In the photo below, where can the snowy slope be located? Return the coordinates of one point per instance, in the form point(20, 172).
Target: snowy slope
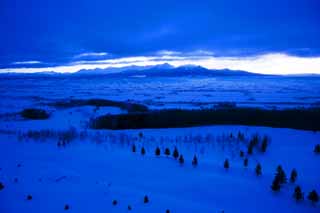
point(88, 174)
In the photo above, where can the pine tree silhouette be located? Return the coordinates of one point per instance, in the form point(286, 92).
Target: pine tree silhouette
point(181, 159)
point(195, 160)
point(241, 154)
point(133, 148)
point(1, 186)
point(143, 151)
point(264, 144)
point(258, 169)
point(114, 202)
point(250, 150)
point(317, 149)
point(226, 164)
point(157, 152)
point(276, 184)
point(146, 199)
point(281, 175)
point(175, 153)
point(313, 196)
point(66, 207)
point(293, 176)
point(167, 151)
point(245, 162)
point(298, 195)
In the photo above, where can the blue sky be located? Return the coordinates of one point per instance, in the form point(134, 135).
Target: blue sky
point(39, 33)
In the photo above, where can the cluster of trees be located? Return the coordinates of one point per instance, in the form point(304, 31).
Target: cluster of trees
point(258, 143)
point(175, 154)
point(258, 168)
point(145, 201)
point(281, 178)
point(307, 119)
point(34, 114)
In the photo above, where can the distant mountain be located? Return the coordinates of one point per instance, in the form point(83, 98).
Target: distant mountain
point(163, 70)
point(111, 70)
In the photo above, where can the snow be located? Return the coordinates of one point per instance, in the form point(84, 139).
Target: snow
point(87, 175)
point(184, 92)
point(97, 167)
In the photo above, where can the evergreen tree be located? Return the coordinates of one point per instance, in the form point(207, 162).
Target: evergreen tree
point(66, 207)
point(157, 152)
point(146, 199)
point(258, 169)
point(114, 202)
point(167, 151)
point(1, 186)
point(250, 149)
point(313, 196)
point(140, 135)
point(276, 184)
point(226, 164)
point(29, 197)
point(281, 175)
point(181, 159)
point(143, 151)
point(167, 211)
point(245, 162)
point(240, 136)
point(133, 148)
point(317, 149)
point(195, 160)
point(264, 144)
point(298, 195)
point(241, 154)
point(293, 176)
point(129, 208)
point(175, 153)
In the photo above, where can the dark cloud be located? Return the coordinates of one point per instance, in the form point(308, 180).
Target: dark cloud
point(54, 31)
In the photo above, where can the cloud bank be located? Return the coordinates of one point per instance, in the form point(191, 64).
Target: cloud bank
point(272, 63)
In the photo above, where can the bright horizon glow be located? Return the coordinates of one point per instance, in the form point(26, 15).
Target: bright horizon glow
point(273, 63)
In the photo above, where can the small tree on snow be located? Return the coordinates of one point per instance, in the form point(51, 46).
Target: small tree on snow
point(245, 162)
point(293, 176)
point(313, 196)
point(167, 151)
point(250, 149)
point(143, 151)
point(258, 169)
point(157, 151)
point(146, 199)
point(175, 153)
point(194, 161)
point(133, 148)
point(226, 164)
point(264, 143)
point(298, 195)
point(241, 154)
point(317, 149)
point(181, 159)
point(281, 175)
point(1, 186)
point(275, 186)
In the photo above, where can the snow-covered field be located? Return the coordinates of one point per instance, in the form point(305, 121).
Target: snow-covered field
point(88, 174)
point(183, 92)
point(93, 168)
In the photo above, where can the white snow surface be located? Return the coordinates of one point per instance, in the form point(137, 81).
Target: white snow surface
point(88, 174)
